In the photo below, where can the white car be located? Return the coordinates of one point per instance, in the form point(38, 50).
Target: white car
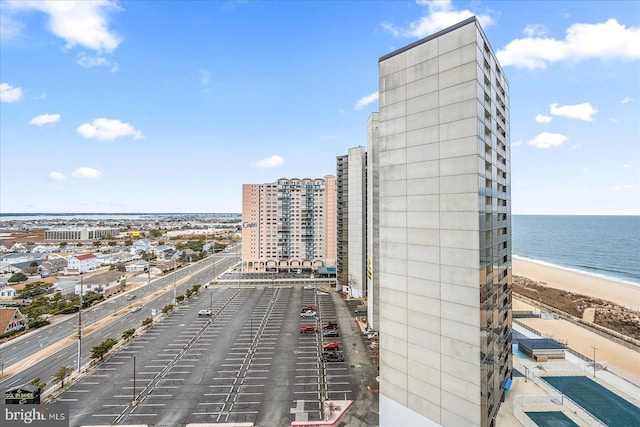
point(136, 308)
point(204, 313)
point(307, 287)
point(308, 314)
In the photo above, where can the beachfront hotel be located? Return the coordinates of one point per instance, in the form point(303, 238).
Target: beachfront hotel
point(440, 244)
point(351, 199)
point(289, 225)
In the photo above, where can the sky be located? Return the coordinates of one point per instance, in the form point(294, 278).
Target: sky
point(170, 106)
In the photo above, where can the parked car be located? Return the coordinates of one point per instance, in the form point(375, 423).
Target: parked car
point(332, 356)
point(309, 287)
point(331, 333)
point(309, 308)
point(373, 334)
point(366, 332)
point(308, 329)
point(329, 325)
point(308, 313)
point(332, 345)
point(206, 312)
point(130, 297)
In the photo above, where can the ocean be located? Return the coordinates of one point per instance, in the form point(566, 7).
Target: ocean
point(605, 246)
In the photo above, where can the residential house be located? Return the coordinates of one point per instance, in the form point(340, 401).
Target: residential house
point(18, 247)
point(41, 249)
point(107, 283)
point(17, 258)
point(138, 266)
point(78, 264)
point(7, 292)
point(11, 320)
point(52, 266)
point(141, 245)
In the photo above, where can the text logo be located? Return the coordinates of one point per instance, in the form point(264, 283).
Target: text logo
point(53, 415)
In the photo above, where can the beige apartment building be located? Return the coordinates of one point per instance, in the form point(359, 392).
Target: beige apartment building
point(441, 231)
point(289, 225)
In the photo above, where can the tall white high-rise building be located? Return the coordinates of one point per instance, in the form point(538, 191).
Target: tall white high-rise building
point(443, 229)
point(351, 197)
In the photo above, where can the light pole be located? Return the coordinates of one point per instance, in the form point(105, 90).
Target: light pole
point(133, 401)
point(80, 325)
point(174, 282)
point(594, 360)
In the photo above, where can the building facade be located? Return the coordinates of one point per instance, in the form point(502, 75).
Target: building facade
point(351, 194)
point(80, 233)
point(78, 264)
point(289, 225)
point(444, 230)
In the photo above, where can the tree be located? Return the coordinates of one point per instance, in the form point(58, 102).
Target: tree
point(38, 383)
point(147, 322)
point(180, 298)
point(103, 348)
point(112, 243)
point(62, 374)
point(167, 308)
point(17, 278)
point(97, 243)
point(128, 242)
point(33, 264)
point(63, 244)
point(128, 334)
point(33, 289)
point(155, 233)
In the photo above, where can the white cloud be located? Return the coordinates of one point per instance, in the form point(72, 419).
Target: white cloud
point(626, 100)
point(366, 100)
point(107, 129)
point(82, 23)
point(547, 140)
point(583, 111)
point(516, 144)
point(9, 93)
point(56, 176)
point(87, 61)
point(441, 15)
point(87, 173)
point(533, 30)
point(270, 162)
point(543, 119)
point(607, 40)
point(45, 119)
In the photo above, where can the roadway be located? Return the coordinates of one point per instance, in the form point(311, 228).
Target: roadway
point(42, 352)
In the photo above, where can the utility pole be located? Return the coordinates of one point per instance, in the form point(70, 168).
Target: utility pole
point(174, 282)
point(594, 360)
point(80, 324)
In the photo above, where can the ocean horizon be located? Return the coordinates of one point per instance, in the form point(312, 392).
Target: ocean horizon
point(604, 246)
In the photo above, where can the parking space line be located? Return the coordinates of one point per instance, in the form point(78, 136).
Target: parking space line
point(68, 400)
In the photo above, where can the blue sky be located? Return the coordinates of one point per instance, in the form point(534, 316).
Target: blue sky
point(143, 106)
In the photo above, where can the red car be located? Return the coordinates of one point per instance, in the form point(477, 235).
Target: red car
point(329, 325)
point(308, 329)
point(309, 308)
point(333, 345)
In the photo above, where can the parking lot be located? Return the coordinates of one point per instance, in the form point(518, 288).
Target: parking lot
point(247, 362)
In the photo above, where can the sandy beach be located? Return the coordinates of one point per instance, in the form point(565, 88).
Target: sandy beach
point(617, 292)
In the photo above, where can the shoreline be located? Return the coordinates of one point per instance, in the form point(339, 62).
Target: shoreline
point(621, 293)
point(577, 270)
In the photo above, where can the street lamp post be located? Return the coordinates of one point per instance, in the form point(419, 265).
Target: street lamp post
point(133, 401)
point(174, 282)
point(594, 360)
point(80, 325)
